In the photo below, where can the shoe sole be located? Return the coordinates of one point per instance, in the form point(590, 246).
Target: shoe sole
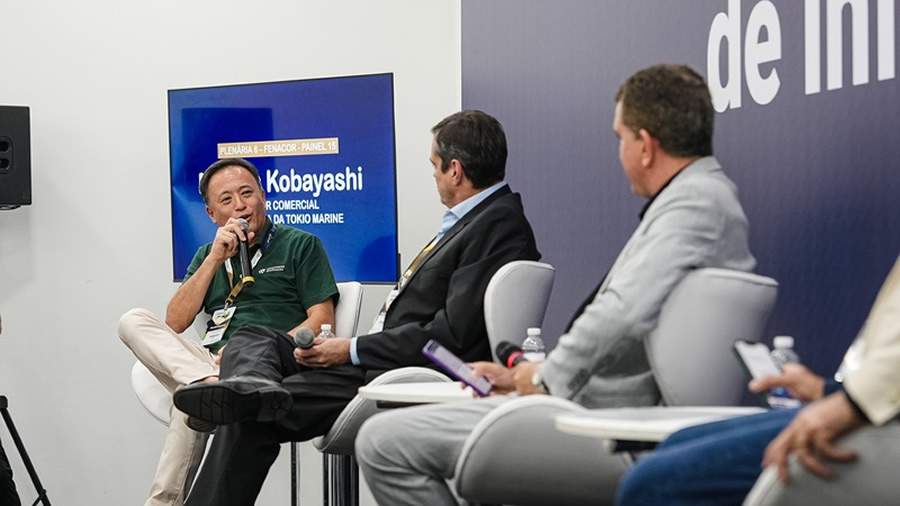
point(198, 425)
point(222, 405)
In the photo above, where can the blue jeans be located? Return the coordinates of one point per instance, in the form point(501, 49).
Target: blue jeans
point(714, 464)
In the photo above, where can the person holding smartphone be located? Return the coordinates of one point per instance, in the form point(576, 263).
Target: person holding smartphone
point(718, 463)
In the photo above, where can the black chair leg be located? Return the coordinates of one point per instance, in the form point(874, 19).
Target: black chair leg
point(354, 482)
point(295, 475)
point(345, 482)
point(341, 500)
point(334, 483)
point(325, 481)
point(340, 480)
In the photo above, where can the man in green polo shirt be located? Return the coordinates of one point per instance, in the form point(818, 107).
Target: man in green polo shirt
point(294, 287)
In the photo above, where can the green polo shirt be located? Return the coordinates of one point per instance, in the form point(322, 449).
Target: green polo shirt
point(292, 275)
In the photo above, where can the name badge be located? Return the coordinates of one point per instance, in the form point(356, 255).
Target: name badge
point(223, 315)
point(217, 326)
point(378, 324)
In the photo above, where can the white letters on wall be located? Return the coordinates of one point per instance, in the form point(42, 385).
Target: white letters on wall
point(727, 28)
point(859, 12)
point(764, 15)
point(758, 50)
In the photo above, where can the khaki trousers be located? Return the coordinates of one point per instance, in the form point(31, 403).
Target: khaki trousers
point(174, 361)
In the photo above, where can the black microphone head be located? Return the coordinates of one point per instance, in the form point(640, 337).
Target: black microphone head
point(304, 338)
point(245, 225)
point(505, 349)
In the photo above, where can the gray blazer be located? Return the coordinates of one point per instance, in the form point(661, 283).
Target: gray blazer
point(696, 221)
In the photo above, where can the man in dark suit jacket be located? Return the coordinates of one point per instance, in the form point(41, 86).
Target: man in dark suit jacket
point(271, 392)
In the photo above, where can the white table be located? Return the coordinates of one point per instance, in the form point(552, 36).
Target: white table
point(406, 394)
point(650, 424)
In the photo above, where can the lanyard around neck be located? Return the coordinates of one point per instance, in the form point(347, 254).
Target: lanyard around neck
point(237, 287)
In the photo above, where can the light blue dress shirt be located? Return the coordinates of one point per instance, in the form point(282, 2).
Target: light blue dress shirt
point(451, 217)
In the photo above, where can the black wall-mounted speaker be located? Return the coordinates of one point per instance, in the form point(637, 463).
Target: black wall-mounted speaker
point(15, 156)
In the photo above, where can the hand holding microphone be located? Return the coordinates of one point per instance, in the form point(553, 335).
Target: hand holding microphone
point(303, 338)
point(227, 241)
point(313, 351)
point(513, 356)
point(243, 251)
point(509, 354)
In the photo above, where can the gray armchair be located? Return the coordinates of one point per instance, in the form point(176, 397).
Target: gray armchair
point(871, 480)
point(516, 299)
point(516, 456)
point(341, 475)
point(508, 313)
point(690, 351)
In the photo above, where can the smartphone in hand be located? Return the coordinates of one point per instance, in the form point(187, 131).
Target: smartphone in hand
point(756, 359)
point(455, 367)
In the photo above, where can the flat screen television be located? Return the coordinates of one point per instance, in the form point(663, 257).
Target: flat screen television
point(326, 156)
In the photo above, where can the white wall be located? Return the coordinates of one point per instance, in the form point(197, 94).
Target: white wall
point(97, 240)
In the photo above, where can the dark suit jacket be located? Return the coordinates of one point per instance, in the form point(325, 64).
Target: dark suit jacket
point(444, 298)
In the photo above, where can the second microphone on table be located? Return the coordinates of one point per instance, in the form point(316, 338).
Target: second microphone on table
point(510, 354)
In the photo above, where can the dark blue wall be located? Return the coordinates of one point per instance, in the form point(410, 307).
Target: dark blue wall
point(818, 174)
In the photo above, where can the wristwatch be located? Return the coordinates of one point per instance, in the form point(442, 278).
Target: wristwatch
point(537, 381)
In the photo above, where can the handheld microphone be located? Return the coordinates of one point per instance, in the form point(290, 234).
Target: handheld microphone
point(304, 338)
point(246, 269)
point(510, 354)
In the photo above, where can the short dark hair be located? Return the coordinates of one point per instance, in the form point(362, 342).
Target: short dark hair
point(221, 164)
point(673, 104)
point(476, 139)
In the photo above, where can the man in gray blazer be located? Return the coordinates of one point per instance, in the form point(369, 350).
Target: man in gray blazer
point(692, 219)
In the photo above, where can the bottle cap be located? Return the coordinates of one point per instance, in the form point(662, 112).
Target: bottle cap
point(534, 331)
point(783, 342)
point(326, 327)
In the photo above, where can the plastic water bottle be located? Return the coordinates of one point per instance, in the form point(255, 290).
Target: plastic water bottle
point(782, 355)
point(533, 347)
point(325, 331)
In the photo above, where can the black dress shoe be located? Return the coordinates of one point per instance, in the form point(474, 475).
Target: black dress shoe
point(237, 399)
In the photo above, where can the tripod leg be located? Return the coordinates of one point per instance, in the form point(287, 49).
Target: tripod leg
point(8, 493)
point(42, 494)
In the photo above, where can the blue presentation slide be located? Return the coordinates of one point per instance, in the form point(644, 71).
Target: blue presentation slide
point(325, 152)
